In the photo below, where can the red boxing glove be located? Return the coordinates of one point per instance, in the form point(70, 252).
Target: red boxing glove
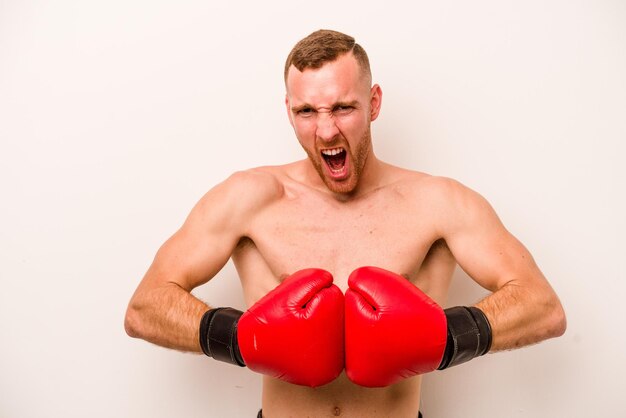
point(294, 333)
point(393, 330)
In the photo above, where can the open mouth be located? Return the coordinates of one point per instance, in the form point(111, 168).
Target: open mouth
point(335, 159)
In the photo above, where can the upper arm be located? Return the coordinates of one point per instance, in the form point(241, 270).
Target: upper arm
point(523, 308)
point(480, 243)
point(209, 235)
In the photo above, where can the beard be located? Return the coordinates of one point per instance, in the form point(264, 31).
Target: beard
point(357, 157)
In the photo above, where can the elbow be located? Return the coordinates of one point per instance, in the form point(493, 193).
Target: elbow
point(558, 321)
point(132, 323)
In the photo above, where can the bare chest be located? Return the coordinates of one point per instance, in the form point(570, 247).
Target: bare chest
point(382, 230)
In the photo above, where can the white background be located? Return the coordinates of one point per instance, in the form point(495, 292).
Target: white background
point(117, 116)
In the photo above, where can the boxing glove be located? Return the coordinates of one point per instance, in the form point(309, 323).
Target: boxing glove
point(294, 333)
point(394, 330)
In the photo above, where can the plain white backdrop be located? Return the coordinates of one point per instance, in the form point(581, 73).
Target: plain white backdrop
point(117, 116)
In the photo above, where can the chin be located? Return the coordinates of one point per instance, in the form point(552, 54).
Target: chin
point(345, 187)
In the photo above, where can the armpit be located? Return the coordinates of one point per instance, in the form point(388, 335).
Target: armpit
point(437, 267)
point(244, 242)
point(439, 246)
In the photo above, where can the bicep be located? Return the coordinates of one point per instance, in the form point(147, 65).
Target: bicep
point(482, 246)
point(192, 256)
point(207, 239)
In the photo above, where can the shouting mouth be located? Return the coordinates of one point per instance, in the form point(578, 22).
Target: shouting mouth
point(335, 159)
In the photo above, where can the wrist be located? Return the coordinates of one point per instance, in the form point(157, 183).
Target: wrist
point(218, 335)
point(469, 335)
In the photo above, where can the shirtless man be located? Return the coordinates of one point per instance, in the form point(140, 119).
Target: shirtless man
point(339, 210)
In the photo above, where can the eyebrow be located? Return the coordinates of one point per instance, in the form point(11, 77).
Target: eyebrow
point(296, 109)
point(351, 103)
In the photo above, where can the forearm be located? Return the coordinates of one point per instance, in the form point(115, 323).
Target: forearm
point(522, 315)
point(168, 316)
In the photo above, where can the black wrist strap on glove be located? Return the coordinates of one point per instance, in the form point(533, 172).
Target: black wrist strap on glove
point(469, 335)
point(218, 335)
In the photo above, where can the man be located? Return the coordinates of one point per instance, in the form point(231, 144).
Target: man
point(342, 222)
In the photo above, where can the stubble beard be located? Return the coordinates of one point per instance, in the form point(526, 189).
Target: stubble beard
point(358, 158)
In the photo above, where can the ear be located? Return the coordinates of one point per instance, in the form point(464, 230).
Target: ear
point(288, 108)
point(376, 100)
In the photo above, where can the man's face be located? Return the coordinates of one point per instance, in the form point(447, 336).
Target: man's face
point(331, 109)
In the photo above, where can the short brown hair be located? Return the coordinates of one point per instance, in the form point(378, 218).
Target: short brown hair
point(323, 46)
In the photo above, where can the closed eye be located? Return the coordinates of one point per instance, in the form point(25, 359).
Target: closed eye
point(305, 112)
point(342, 110)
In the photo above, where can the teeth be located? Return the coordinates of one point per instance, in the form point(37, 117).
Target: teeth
point(331, 152)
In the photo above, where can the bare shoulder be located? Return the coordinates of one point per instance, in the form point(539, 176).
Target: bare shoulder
point(460, 209)
point(429, 187)
point(233, 203)
point(444, 190)
point(255, 186)
point(447, 201)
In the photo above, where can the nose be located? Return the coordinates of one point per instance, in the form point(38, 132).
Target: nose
point(327, 128)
